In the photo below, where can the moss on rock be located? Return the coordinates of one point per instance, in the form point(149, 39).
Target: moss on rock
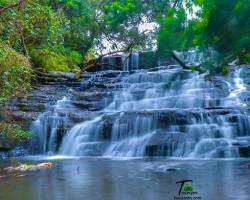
point(12, 135)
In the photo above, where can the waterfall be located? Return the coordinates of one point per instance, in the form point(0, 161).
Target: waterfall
point(237, 88)
point(125, 61)
point(166, 112)
point(195, 57)
point(134, 61)
point(130, 62)
point(48, 124)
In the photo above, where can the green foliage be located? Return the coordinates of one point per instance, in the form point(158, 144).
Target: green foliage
point(77, 26)
point(222, 25)
point(83, 25)
point(37, 23)
point(15, 72)
point(42, 25)
point(89, 56)
point(225, 26)
point(124, 22)
point(49, 59)
point(225, 70)
point(120, 11)
point(246, 58)
point(59, 35)
point(171, 35)
point(73, 59)
point(12, 135)
point(41, 29)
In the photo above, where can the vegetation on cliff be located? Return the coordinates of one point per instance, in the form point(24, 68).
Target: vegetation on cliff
point(15, 72)
point(12, 136)
point(58, 35)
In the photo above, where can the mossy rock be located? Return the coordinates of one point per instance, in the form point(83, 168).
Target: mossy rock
point(12, 135)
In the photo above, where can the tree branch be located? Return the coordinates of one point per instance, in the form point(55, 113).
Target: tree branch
point(179, 61)
point(175, 3)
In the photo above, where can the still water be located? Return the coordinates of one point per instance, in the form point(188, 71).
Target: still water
point(139, 179)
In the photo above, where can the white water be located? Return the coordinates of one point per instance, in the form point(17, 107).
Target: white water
point(131, 62)
point(236, 89)
point(47, 125)
point(169, 112)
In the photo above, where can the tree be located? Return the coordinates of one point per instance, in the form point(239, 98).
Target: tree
point(225, 26)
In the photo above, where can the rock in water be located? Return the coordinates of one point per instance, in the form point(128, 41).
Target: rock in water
point(28, 168)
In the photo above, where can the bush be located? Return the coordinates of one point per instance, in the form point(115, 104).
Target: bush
point(74, 59)
point(15, 72)
point(48, 59)
point(12, 135)
point(246, 58)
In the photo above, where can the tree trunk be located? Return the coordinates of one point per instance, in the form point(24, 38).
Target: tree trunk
point(179, 61)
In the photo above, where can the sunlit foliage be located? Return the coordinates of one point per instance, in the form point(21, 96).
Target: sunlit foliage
point(62, 34)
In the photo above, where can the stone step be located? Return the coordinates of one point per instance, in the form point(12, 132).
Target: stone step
point(180, 101)
point(172, 115)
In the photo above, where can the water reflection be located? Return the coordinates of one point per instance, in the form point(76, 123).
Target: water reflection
point(104, 179)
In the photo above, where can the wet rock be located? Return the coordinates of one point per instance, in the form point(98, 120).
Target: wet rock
point(87, 105)
point(147, 59)
point(171, 169)
point(245, 96)
point(28, 167)
point(240, 143)
point(233, 118)
point(246, 166)
point(4, 149)
point(162, 137)
point(164, 143)
point(244, 151)
point(110, 73)
point(68, 75)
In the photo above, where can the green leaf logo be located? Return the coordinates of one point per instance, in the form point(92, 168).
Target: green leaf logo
point(187, 187)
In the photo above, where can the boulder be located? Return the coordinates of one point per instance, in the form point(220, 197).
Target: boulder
point(244, 151)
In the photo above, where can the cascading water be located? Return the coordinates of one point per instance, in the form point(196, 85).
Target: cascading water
point(48, 124)
point(131, 62)
point(167, 112)
point(236, 89)
point(195, 57)
point(135, 61)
